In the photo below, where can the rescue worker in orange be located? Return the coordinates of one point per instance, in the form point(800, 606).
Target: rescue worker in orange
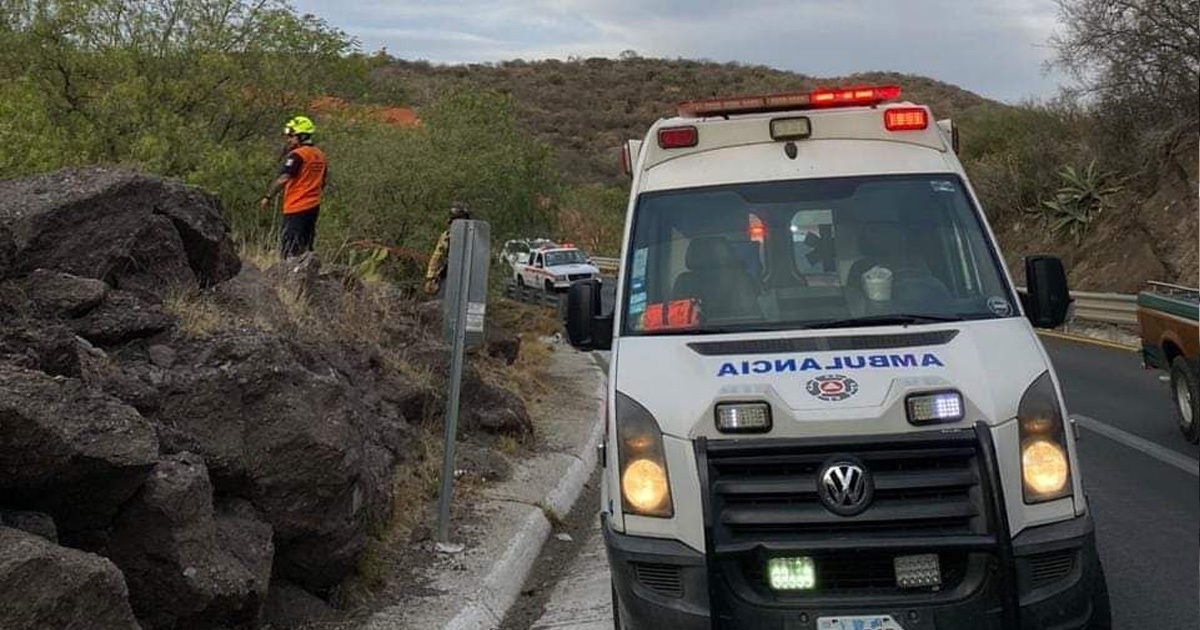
point(302, 179)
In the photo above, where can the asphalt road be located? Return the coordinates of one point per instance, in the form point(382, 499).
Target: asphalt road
point(1139, 474)
point(1147, 511)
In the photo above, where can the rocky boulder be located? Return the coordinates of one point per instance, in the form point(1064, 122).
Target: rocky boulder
point(35, 523)
point(136, 232)
point(47, 347)
point(47, 587)
point(69, 450)
point(187, 566)
point(122, 317)
point(57, 294)
point(289, 606)
point(283, 427)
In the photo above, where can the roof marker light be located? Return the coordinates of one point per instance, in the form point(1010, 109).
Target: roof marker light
point(678, 137)
point(905, 119)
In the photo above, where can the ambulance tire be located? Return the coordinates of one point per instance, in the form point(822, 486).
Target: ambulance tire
point(1184, 392)
point(520, 281)
point(549, 286)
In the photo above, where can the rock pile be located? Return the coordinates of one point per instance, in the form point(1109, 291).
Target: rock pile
point(156, 479)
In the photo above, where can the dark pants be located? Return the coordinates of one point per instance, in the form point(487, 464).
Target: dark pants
point(299, 231)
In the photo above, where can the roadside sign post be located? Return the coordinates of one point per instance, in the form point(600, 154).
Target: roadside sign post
point(463, 311)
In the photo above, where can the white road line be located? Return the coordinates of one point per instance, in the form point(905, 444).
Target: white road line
point(1161, 453)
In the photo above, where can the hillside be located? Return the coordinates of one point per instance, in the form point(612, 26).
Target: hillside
point(584, 109)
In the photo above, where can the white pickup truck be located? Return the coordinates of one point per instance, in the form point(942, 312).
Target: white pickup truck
point(553, 268)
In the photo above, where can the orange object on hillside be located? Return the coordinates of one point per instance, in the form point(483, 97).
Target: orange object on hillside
point(395, 116)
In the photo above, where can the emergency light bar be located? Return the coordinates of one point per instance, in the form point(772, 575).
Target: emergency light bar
point(844, 97)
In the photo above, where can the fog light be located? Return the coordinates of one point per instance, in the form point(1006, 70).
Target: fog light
point(939, 407)
point(919, 571)
point(790, 128)
point(792, 574)
point(744, 417)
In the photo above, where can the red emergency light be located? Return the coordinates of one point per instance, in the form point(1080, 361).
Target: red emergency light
point(757, 229)
point(678, 137)
point(821, 97)
point(905, 119)
point(846, 97)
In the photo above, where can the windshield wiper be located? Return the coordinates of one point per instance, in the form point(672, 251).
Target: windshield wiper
point(894, 319)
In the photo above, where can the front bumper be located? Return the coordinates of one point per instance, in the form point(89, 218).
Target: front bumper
point(563, 285)
point(1046, 577)
point(665, 584)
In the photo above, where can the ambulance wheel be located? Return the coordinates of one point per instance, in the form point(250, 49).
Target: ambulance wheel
point(549, 286)
point(1184, 393)
point(520, 282)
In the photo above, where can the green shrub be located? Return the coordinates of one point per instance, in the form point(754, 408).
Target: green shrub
point(394, 185)
point(1084, 194)
point(1010, 153)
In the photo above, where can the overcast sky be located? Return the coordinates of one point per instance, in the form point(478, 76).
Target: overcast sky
point(996, 48)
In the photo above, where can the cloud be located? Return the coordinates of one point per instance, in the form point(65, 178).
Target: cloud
point(997, 49)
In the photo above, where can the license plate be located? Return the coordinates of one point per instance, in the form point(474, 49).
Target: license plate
point(861, 622)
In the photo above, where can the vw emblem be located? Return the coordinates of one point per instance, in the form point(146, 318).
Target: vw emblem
point(845, 486)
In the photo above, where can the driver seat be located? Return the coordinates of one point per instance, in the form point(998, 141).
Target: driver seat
point(718, 280)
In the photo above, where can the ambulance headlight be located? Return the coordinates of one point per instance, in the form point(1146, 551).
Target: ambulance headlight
point(934, 408)
point(752, 417)
point(645, 484)
point(1045, 466)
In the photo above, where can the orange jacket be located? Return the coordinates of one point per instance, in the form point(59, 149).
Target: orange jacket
point(307, 166)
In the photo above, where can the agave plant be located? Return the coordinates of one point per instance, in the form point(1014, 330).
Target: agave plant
point(1084, 195)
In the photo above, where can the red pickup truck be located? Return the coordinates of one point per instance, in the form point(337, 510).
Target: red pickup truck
point(1167, 314)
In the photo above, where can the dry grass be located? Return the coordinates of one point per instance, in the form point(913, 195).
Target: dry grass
point(258, 254)
point(509, 445)
point(198, 313)
point(414, 487)
point(524, 318)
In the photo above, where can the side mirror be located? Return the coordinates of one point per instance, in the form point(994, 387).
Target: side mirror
point(586, 328)
point(1048, 298)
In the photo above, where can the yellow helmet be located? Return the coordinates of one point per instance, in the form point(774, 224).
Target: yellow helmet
point(299, 125)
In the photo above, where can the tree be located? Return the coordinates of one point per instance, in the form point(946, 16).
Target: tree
point(135, 80)
point(1136, 62)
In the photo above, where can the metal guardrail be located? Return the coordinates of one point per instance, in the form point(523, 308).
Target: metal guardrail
point(532, 295)
point(1111, 308)
point(605, 264)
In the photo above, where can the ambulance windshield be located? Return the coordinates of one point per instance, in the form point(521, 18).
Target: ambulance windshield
point(839, 252)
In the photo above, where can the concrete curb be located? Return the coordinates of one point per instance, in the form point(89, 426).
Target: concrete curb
point(485, 609)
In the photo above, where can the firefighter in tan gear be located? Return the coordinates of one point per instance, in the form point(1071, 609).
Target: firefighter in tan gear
point(435, 272)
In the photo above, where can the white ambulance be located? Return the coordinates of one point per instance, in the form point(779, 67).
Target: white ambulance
point(827, 406)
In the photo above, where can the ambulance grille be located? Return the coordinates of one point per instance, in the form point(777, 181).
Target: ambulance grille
point(1050, 567)
point(765, 491)
point(663, 579)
